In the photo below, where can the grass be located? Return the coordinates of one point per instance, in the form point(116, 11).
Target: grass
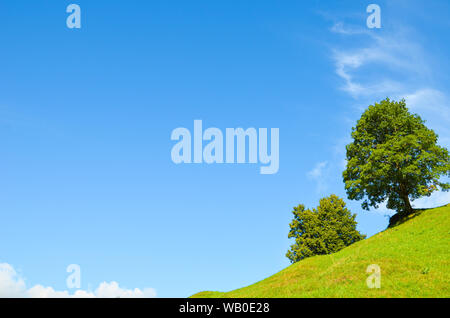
point(413, 256)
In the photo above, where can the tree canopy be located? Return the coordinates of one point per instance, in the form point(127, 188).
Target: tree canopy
point(393, 157)
point(324, 230)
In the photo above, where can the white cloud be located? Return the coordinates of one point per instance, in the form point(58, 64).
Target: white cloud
point(341, 29)
point(433, 106)
point(382, 209)
point(429, 100)
point(436, 199)
point(107, 290)
point(317, 172)
point(13, 285)
point(348, 62)
point(40, 291)
point(320, 174)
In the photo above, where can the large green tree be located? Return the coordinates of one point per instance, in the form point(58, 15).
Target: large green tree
point(324, 230)
point(393, 157)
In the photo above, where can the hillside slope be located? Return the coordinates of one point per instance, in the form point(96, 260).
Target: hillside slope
point(414, 258)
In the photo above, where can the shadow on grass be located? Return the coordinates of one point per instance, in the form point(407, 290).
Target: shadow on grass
point(398, 219)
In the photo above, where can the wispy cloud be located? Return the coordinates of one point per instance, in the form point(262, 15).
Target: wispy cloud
point(391, 65)
point(390, 57)
point(320, 174)
point(433, 106)
point(437, 199)
point(339, 28)
point(429, 100)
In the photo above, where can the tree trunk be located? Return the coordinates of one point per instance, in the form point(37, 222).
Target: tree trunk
point(404, 196)
point(408, 207)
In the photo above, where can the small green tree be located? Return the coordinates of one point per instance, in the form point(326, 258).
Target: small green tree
point(324, 230)
point(393, 156)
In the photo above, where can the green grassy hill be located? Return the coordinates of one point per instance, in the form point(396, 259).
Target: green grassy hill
point(414, 258)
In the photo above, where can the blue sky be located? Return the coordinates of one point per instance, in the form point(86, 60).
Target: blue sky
point(86, 116)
